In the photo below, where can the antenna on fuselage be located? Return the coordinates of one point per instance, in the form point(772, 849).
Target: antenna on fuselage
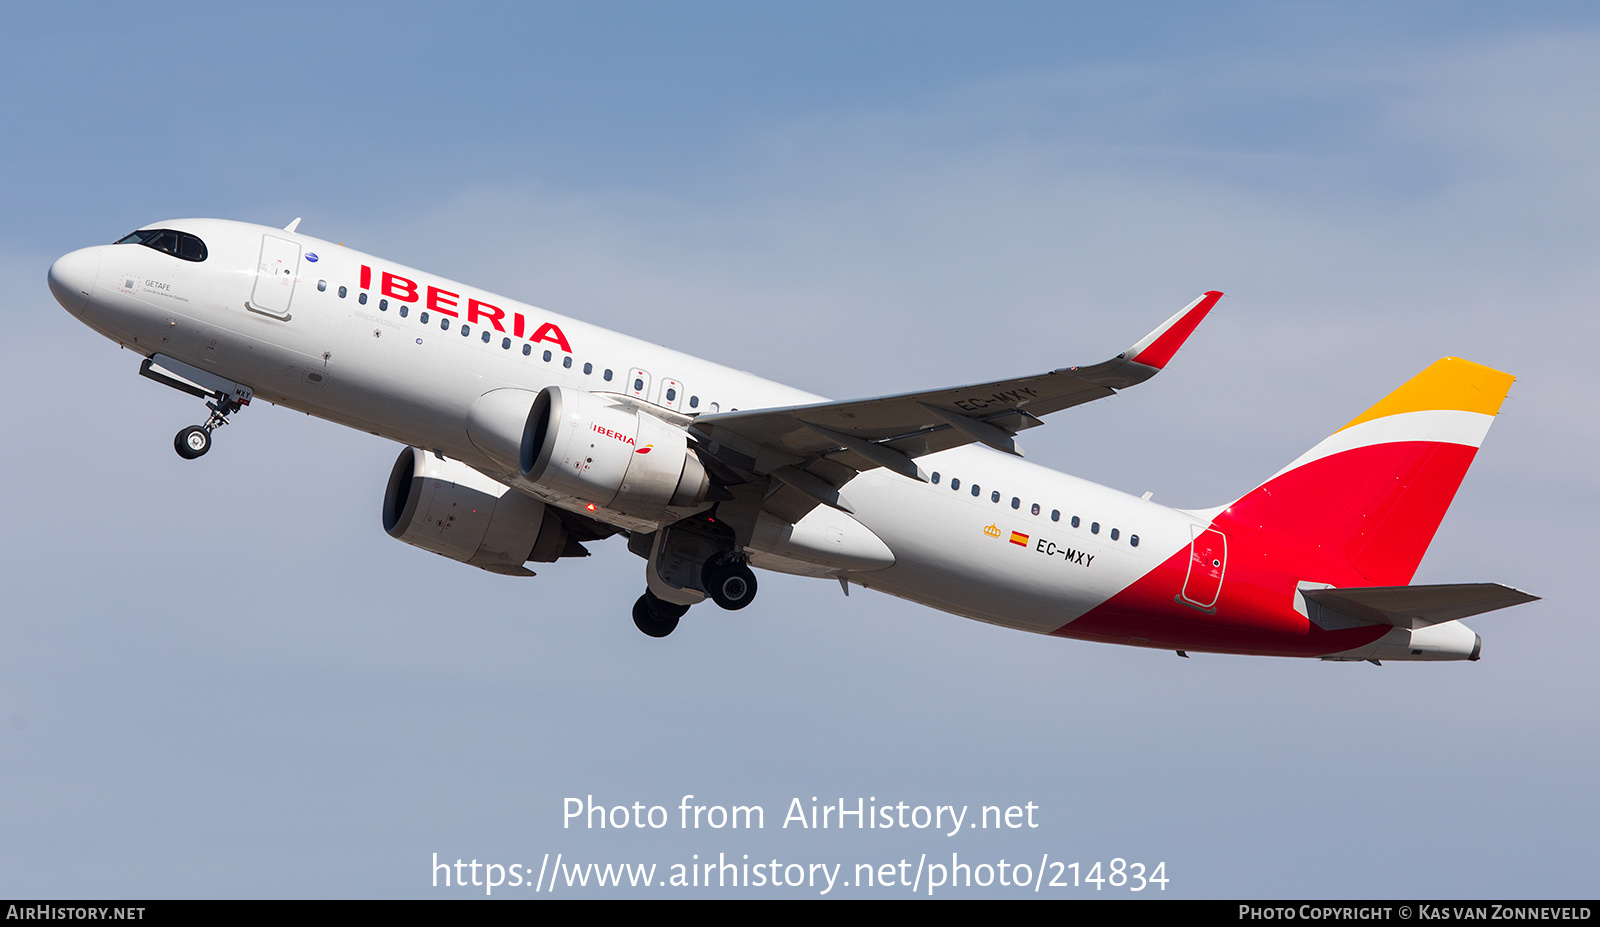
point(293, 225)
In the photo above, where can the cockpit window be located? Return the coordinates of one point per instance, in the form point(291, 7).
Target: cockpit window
point(178, 244)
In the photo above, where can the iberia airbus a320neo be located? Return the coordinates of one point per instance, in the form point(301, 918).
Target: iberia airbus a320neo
point(528, 434)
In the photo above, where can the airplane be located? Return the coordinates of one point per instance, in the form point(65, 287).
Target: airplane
point(528, 434)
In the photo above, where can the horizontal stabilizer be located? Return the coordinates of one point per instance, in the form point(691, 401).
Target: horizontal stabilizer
point(1416, 607)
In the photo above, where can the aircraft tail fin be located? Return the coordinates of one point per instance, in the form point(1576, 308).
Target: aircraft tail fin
point(1372, 494)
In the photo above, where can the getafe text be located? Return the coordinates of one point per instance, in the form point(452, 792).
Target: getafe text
point(842, 814)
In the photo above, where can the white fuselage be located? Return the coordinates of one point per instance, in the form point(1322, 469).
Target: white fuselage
point(348, 354)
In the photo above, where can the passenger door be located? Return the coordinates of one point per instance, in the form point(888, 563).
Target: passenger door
point(276, 273)
point(1208, 560)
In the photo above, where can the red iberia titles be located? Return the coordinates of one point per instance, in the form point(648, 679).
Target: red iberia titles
point(478, 312)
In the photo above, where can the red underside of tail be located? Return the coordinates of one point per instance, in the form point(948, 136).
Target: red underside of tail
point(1362, 517)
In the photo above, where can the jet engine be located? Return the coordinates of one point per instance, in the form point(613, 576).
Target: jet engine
point(453, 510)
point(608, 452)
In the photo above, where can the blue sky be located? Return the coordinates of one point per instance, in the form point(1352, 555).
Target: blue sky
point(221, 679)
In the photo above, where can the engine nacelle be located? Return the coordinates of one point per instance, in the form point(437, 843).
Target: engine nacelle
point(453, 510)
point(609, 453)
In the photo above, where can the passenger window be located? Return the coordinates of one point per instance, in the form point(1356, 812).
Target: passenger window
point(588, 369)
point(383, 305)
point(1016, 503)
point(694, 402)
point(465, 330)
point(362, 299)
point(423, 318)
point(444, 324)
point(1036, 508)
point(994, 496)
point(607, 375)
point(935, 477)
point(567, 362)
point(1094, 527)
point(955, 482)
point(504, 342)
point(322, 286)
point(1133, 540)
point(526, 349)
point(672, 394)
point(1055, 514)
point(342, 292)
point(975, 490)
point(638, 384)
point(1074, 521)
point(547, 357)
point(404, 311)
point(487, 335)
point(1114, 534)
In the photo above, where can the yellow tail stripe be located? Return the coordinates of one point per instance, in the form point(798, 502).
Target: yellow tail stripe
point(1448, 383)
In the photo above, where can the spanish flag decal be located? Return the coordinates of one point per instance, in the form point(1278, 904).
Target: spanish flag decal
point(1019, 539)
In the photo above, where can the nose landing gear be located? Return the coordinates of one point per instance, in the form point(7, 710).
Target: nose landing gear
point(192, 442)
point(195, 440)
point(223, 397)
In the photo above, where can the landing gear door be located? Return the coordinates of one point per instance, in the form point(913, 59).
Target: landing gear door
point(1208, 560)
point(275, 277)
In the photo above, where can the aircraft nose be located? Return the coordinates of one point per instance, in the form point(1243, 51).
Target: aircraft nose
point(72, 278)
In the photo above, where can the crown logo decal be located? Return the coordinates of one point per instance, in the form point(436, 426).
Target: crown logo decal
point(992, 531)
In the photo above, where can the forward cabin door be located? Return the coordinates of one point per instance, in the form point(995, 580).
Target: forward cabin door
point(275, 276)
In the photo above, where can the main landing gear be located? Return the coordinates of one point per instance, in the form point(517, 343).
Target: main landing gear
point(656, 617)
point(223, 397)
point(729, 582)
point(723, 576)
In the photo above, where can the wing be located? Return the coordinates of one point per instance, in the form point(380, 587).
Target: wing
point(808, 452)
